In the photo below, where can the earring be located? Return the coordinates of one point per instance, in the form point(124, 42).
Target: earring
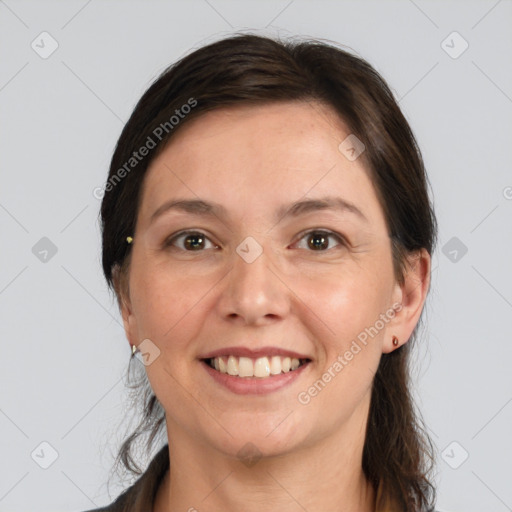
point(134, 349)
point(395, 341)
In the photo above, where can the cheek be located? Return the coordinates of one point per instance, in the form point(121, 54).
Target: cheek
point(349, 301)
point(351, 347)
point(163, 300)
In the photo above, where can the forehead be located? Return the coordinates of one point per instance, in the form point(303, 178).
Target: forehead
point(247, 156)
point(252, 128)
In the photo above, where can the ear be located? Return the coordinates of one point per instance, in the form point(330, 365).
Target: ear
point(125, 307)
point(411, 297)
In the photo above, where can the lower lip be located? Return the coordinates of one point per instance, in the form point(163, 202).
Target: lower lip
point(255, 385)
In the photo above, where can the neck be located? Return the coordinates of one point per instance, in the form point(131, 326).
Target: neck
point(325, 476)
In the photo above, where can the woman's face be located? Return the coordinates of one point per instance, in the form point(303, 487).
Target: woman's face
point(263, 276)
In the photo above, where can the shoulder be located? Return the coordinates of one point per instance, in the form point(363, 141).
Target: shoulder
point(139, 496)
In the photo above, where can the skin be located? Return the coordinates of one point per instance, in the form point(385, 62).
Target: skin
point(252, 160)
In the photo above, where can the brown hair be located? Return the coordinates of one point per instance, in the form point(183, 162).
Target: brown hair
point(255, 70)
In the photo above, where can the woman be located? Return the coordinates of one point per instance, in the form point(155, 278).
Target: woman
point(268, 234)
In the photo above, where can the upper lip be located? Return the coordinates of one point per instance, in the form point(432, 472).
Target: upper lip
point(255, 354)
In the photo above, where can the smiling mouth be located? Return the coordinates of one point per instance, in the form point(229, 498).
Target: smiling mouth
point(261, 367)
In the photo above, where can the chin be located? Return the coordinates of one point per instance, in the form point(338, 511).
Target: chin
point(254, 439)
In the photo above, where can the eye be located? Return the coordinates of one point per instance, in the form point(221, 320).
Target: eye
point(318, 240)
point(194, 241)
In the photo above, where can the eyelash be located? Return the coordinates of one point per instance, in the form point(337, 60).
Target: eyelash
point(169, 241)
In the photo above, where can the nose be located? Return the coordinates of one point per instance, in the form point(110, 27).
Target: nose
point(254, 293)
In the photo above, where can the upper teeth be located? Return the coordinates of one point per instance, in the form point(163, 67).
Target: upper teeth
point(260, 367)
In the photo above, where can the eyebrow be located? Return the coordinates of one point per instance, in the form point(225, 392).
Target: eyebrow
point(209, 209)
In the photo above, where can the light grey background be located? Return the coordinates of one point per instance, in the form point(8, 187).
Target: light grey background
point(63, 350)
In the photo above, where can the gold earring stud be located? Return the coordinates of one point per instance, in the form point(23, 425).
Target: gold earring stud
point(395, 341)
